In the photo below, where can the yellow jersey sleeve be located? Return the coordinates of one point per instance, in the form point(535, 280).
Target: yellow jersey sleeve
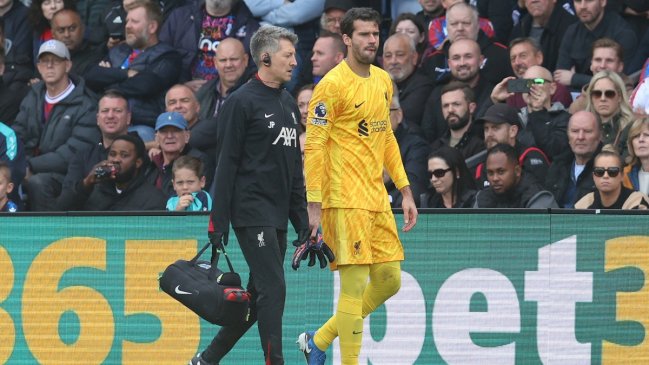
point(349, 141)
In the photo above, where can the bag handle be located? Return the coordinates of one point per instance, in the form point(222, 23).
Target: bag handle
point(216, 250)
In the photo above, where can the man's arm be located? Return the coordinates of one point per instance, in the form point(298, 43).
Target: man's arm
point(321, 116)
point(233, 118)
point(160, 75)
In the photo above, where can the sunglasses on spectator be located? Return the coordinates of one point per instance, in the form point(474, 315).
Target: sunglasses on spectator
point(439, 173)
point(612, 171)
point(609, 94)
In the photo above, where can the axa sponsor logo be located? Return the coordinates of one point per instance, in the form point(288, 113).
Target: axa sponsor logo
point(288, 137)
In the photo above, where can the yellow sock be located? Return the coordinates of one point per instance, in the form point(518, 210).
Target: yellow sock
point(349, 320)
point(385, 281)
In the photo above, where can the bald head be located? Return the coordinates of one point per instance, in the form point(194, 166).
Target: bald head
point(464, 60)
point(230, 60)
point(462, 22)
point(538, 72)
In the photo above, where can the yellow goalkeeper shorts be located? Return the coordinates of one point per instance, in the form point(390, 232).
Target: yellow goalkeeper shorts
point(359, 236)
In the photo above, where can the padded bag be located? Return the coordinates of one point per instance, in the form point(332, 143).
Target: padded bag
point(214, 295)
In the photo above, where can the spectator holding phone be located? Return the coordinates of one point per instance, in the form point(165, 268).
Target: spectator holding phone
point(543, 122)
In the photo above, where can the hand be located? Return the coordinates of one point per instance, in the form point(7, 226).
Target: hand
point(112, 42)
point(216, 238)
point(131, 72)
point(195, 84)
point(536, 98)
point(301, 248)
point(564, 77)
point(184, 201)
point(499, 94)
point(409, 209)
point(154, 151)
point(92, 178)
point(105, 64)
point(314, 209)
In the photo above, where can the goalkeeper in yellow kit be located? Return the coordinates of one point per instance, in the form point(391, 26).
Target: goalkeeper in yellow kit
point(349, 142)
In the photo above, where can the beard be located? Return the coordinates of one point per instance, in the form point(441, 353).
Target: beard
point(139, 42)
point(127, 175)
point(461, 122)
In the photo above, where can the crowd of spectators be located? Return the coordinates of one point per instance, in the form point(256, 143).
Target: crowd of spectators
point(501, 103)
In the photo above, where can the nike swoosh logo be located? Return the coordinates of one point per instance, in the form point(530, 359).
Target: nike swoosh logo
point(268, 115)
point(178, 291)
point(357, 333)
point(358, 105)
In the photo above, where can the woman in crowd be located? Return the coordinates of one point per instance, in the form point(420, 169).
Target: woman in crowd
point(451, 181)
point(610, 192)
point(303, 97)
point(636, 172)
point(607, 98)
point(408, 24)
point(41, 13)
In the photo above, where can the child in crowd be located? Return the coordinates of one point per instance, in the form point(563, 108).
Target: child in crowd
point(6, 187)
point(189, 181)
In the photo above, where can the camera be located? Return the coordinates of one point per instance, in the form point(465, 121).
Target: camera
point(106, 171)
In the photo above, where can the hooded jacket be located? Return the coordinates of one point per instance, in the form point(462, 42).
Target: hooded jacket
point(527, 194)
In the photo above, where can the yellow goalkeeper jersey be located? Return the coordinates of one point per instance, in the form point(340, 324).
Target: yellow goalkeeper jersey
point(349, 141)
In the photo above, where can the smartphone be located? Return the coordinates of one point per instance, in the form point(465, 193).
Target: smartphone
point(519, 85)
point(118, 35)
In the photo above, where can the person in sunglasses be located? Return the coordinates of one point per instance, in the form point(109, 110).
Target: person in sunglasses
point(451, 185)
point(509, 187)
point(610, 193)
point(607, 98)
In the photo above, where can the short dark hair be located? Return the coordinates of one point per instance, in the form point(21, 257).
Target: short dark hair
point(413, 18)
point(469, 95)
point(116, 94)
point(531, 41)
point(339, 45)
point(353, 14)
point(507, 149)
point(140, 149)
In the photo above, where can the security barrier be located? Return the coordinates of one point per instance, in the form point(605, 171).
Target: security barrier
point(515, 288)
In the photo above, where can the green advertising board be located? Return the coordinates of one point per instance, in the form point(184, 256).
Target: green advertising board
point(476, 289)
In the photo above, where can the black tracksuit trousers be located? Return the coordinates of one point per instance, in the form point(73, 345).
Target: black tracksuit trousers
point(264, 249)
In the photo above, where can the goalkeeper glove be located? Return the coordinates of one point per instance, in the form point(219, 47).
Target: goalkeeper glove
point(312, 248)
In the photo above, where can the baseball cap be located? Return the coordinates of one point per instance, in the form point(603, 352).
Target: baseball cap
point(174, 119)
point(338, 4)
point(54, 47)
point(500, 113)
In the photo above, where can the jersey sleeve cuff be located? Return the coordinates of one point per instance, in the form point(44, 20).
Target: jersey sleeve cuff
point(314, 196)
point(400, 184)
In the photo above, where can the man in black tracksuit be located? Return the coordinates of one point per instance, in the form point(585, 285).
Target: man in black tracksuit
point(258, 186)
